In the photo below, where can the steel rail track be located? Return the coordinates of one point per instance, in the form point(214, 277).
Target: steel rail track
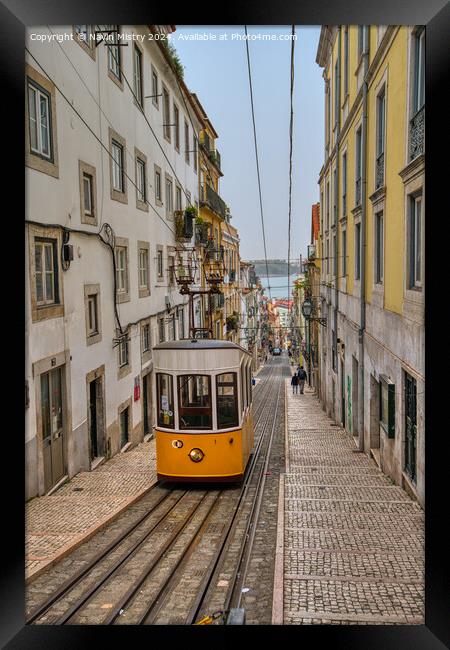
point(201, 606)
point(260, 393)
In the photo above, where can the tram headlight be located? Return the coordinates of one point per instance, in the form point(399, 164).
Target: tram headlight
point(196, 455)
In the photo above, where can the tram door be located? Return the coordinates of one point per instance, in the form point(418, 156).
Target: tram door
point(410, 425)
point(52, 427)
point(147, 402)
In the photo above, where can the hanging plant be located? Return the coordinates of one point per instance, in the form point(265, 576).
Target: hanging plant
point(192, 211)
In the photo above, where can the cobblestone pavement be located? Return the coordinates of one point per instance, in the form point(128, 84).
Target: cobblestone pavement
point(353, 542)
point(58, 523)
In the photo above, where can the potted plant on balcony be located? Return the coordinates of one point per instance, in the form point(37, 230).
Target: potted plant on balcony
point(232, 322)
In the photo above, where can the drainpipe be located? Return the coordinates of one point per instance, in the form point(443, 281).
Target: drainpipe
point(336, 216)
point(363, 247)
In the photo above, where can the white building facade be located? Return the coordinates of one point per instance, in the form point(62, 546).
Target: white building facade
point(110, 155)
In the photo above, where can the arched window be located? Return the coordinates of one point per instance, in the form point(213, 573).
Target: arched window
point(227, 400)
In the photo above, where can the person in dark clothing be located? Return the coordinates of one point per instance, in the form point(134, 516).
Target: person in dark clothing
point(302, 376)
point(294, 384)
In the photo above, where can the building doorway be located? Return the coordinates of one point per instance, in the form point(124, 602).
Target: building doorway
point(410, 426)
point(124, 427)
point(53, 427)
point(374, 431)
point(342, 395)
point(355, 382)
point(147, 402)
point(96, 419)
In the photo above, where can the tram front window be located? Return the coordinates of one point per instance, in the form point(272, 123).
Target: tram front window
point(194, 402)
point(164, 388)
point(227, 410)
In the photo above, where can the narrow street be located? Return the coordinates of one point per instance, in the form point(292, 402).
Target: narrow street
point(332, 540)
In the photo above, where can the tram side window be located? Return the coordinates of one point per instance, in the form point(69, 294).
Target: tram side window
point(227, 407)
point(194, 402)
point(249, 383)
point(164, 387)
point(243, 388)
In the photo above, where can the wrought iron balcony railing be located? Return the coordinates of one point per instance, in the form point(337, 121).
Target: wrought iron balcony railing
point(379, 179)
point(417, 134)
point(213, 201)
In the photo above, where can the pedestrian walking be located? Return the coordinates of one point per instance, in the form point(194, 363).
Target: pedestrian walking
point(294, 384)
point(302, 376)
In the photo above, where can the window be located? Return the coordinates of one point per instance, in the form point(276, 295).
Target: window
point(322, 210)
point(227, 400)
point(194, 143)
point(335, 196)
point(178, 198)
point(159, 263)
point(194, 402)
point(166, 114)
point(114, 52)
point(360, 40)
point(39, 116)
point(381, 112)
point(176, 115)
point(358, 251)
point(169, 197)
point(165, 407)
point(243, 388)
point(336, 93)
point(345, 61)
point(92, 315)
point(146, 340)
point(124, 418)
point(141, 180)
point(46, 272)
point(88, 195)
point(344, 253)
point(327, 110)
point(123, 353)
point(344, 184)
point(121, 269)
point(137, 75)
point(379, 252)
point(186, 142)
point(418, 99)
point(143, 268)
point(181, 323)
point(334, 256)
point(161, 330)
point(387, 406)
point(328, 205)
point(117, 166)
point(328, 256)
point(171, 267)
point(155, 97)
point(158, 195)
point(358, 172)
point(415, 242)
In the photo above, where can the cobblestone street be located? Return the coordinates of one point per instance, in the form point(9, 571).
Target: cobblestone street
point(352, 541)
point(58, 523)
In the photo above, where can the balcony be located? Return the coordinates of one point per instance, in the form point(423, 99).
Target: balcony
point(232, 276)
point(184, 228)
point(417, 134)
point(202, 231)
point(213, 201)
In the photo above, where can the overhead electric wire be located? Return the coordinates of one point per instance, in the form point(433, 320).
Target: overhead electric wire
point(291, 128)
point(257, 159)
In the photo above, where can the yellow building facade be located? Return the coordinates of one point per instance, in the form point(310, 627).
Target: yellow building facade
point(371, 242)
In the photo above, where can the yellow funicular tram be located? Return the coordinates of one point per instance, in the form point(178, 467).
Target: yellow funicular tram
point(204, 420)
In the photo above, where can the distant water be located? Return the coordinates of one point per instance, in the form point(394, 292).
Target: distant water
point(278, 285)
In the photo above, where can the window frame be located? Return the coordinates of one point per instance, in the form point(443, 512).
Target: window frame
point(387, 389)
point(415, 263)
point(358, 251)
point(234, 384)
point(47, 165)
point(122, 293)
point(379, 247)
point(143, 289)
point(51, 244)
point(176, 119)
point(169, 196)
point(166, 113)
point(114, 61)
point(116, 142)
point(187, 155)
point(160, 263)
point(138, 76)
point(171, 400)
point(155, 87)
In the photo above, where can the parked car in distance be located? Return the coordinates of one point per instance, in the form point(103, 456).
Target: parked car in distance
point(276, 352)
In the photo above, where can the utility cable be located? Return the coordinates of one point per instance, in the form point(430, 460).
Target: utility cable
point(291, 128)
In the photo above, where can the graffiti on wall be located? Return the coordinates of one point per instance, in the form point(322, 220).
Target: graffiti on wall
point(349, 402)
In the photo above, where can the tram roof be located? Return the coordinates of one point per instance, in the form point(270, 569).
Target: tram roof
point(199, 344)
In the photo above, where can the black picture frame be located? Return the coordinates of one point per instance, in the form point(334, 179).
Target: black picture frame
point(435, 15)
